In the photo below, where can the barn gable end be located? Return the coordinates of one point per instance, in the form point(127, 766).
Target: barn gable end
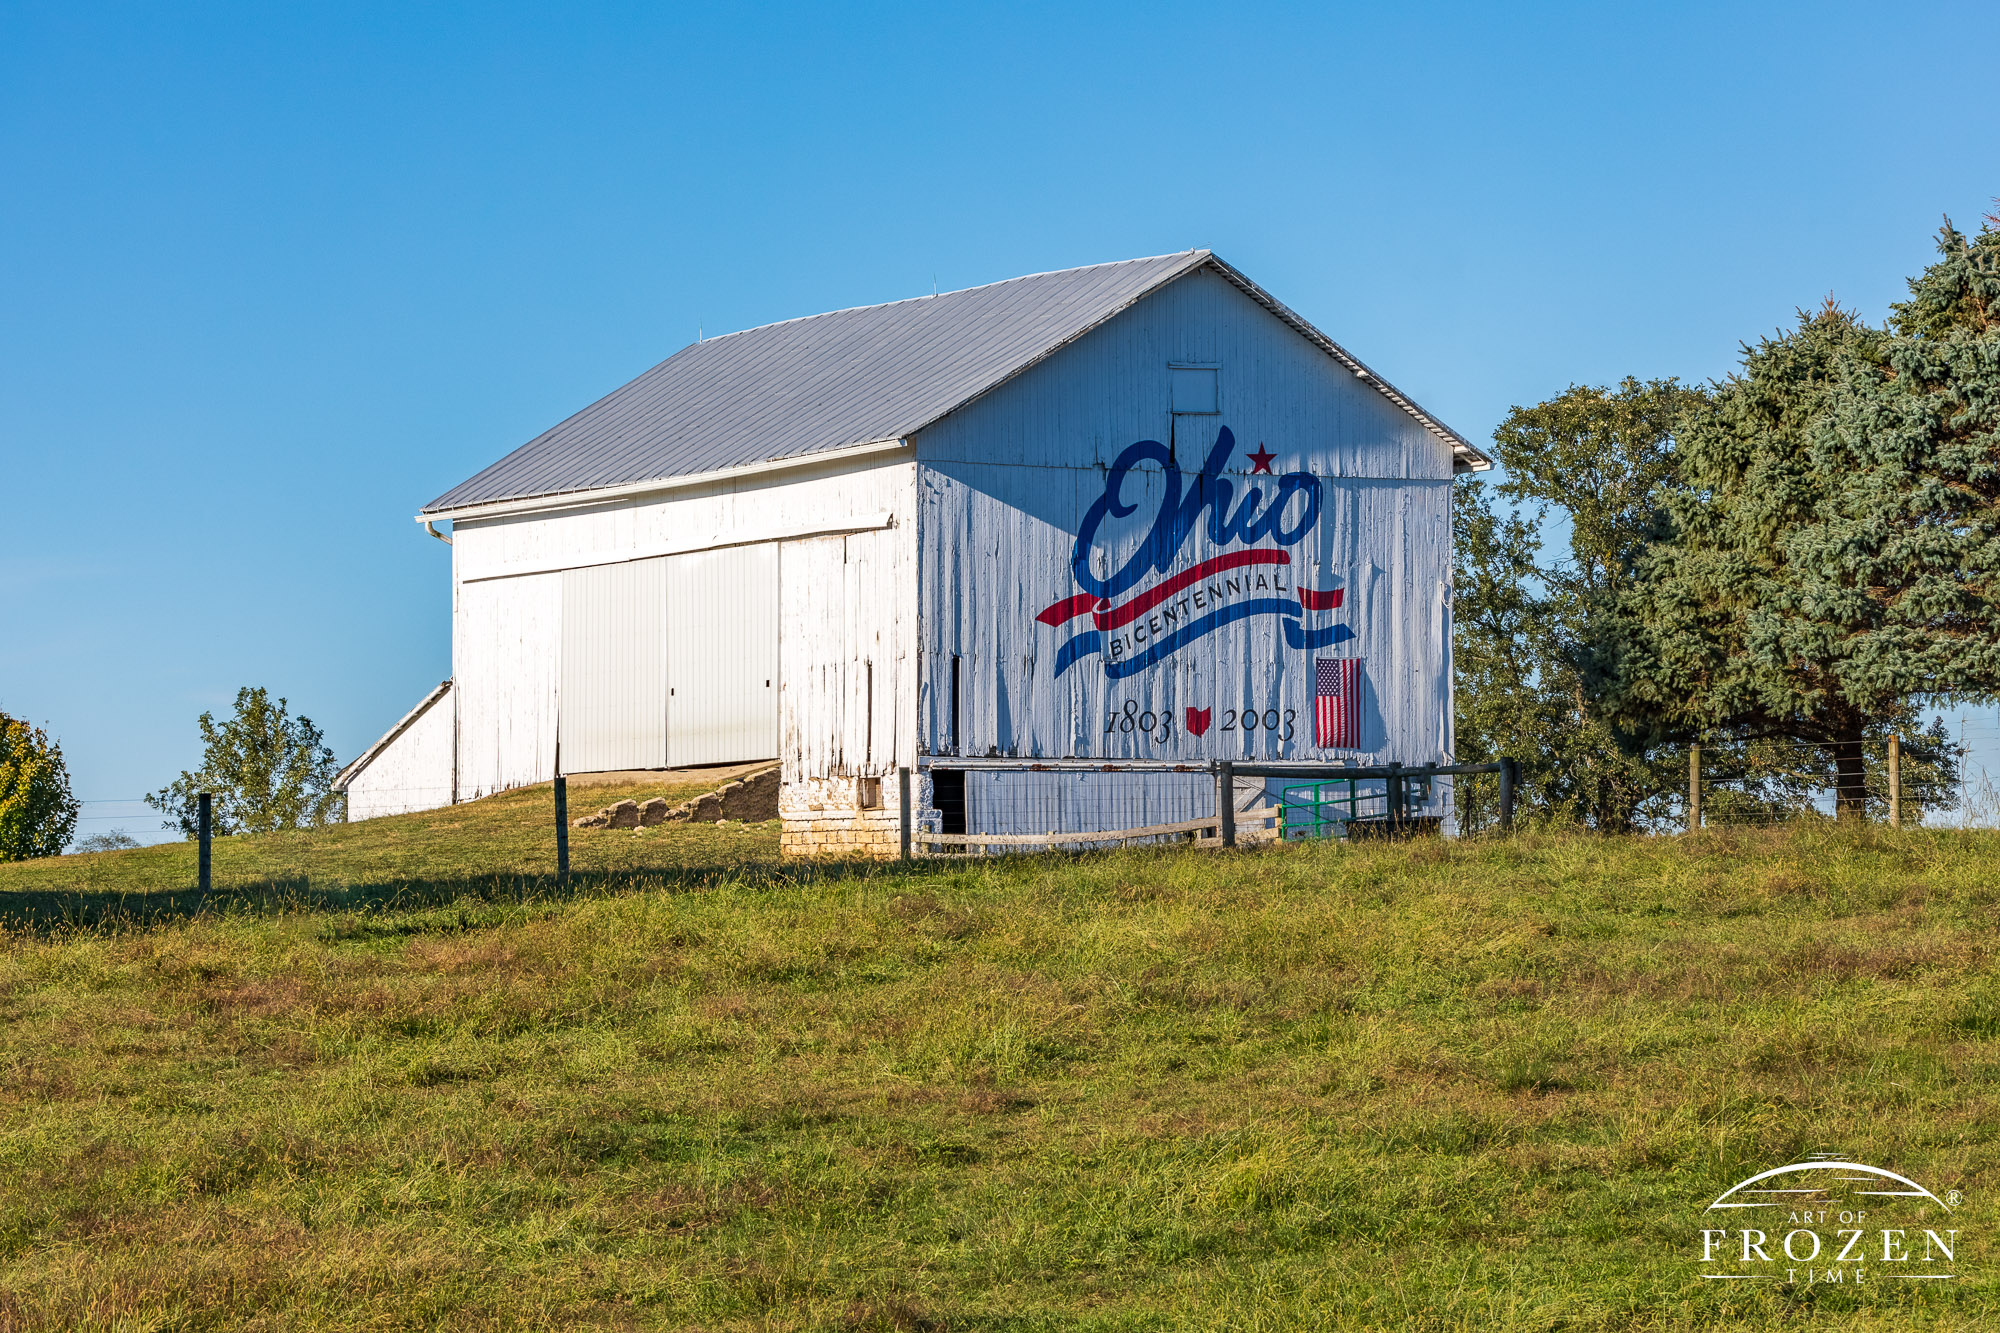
point(1209, 378)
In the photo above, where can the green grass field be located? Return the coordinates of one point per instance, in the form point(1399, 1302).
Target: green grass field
point(389, 1076)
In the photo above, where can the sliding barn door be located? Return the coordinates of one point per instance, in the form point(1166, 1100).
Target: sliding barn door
point(722, 655)
point(614, 680)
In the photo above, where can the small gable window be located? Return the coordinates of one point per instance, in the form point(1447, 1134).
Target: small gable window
point(1195, 390)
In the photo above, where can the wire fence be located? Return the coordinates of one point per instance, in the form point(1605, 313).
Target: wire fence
point(1979, 772)
point(1939, 777)
point(1763, 782)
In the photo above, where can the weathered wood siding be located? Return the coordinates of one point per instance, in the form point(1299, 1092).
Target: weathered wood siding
point(411, 772)
point(1006, 485)
point(506, 666)
point(842, 538)
point(848, 654)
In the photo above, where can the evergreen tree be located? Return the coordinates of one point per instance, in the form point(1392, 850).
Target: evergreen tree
point(1959, 295)
point(1834, 534)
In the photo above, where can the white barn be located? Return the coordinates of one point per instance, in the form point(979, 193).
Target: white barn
point(1139, 510)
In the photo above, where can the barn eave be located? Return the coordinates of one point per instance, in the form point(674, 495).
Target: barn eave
point(584, 499)
point(342, 779)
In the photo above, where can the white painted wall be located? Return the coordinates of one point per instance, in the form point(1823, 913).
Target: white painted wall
point(846, 607)
point(506, 654)
point(722, 655)
point(1007, 481)
point(848, 661)
point(1084, 404)
point(411, 772)
point(831, 497)
point(613, 678)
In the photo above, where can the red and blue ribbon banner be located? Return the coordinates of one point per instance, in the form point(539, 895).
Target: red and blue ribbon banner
point(1140, 613)
point(1337, 703)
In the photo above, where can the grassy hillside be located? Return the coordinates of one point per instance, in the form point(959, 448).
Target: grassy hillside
point(500, 846)
point(397, 1081)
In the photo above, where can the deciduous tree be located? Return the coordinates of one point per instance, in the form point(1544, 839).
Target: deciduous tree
point(37, 810)
point(264, 770)
point(1595, 461)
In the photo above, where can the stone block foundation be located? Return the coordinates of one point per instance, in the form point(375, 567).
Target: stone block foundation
point(850, 817)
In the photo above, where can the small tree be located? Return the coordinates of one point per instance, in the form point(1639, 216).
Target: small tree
point(264, 769)
point(115, 841)
point(37, 809)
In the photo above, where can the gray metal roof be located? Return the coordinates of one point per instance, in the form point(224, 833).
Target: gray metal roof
point(851, 377)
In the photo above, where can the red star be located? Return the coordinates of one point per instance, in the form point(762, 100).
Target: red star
point(1262, 458)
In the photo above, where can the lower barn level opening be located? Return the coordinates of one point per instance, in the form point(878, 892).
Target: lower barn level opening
point(995, 808)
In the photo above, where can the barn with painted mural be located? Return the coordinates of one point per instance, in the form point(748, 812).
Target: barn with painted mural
point(1136, 512)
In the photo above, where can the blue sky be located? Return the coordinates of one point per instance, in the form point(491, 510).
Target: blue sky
point(272, 277)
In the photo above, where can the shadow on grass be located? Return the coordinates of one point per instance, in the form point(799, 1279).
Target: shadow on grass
point(402, 906)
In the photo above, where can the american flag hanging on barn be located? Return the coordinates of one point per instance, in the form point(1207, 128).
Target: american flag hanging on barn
point(1337, 704)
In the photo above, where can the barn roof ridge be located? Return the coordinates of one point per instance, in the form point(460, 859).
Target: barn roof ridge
point(1192, 256)
point(800, 388)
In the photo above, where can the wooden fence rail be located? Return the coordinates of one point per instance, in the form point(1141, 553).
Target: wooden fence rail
point(1223, 822)
point(1194, 826)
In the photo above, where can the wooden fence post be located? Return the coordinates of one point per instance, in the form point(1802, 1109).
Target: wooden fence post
point(202, 811)
point(1507, 767)
point(562, 829)
point(1694, 788)
point(903, 789)
point(1225, 802)
point(1895, 782)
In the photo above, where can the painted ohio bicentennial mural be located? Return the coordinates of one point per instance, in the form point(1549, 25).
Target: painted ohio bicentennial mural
point(1228, 600)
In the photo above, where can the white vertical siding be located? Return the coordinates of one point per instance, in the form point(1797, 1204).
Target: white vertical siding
point(506, 653)
point(848, 646)
point(613, 697)
point(412, 771)
point(1377, 542)
point(814, 615)
point(814, 736)
point(1112, 386)
point(1006, 483)
point(722, 655)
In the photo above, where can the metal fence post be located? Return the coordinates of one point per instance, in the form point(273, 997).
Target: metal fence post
point(562, 829)
point(903, 789)
point(1225, 802)
point(1895, 782)
point(1506, 794)
point(1694, 788)
point(202, 811)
